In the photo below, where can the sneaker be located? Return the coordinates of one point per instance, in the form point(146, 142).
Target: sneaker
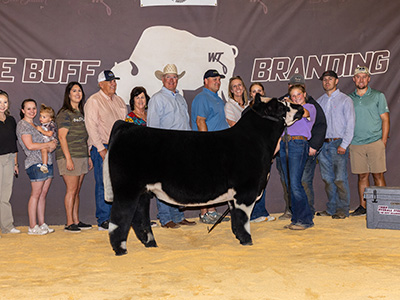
point(207, 219)
point(262, 219)
point(104, 225)
point(44, 226)
point(83, 226)
point(270, 218)
point(339, 215)
point(287, 215)
point(14, 230)
point(216, 215)
point(360, 211)
point(323, 214)
point(37, 231)
point(153, 224)
point(44, 169)
point(258, 220)
point(72, 228)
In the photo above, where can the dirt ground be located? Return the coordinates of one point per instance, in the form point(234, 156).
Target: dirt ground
point(337, 259)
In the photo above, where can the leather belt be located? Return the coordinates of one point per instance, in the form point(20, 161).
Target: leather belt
point(293, 137)
point(331, 140)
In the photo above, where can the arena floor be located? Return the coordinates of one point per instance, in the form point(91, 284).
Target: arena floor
point(337, 259)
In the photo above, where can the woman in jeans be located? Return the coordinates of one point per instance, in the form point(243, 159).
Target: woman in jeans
point(297, 140)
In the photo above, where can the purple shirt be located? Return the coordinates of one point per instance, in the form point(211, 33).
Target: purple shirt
point(303, 127)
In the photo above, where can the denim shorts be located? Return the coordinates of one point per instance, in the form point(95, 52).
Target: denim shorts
point(35, 174)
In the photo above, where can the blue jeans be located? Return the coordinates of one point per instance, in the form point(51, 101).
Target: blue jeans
point(259, 209)
point(167, 213)
point(306, 180)
point(298, 154)
point(333, 168)
point(103, 208)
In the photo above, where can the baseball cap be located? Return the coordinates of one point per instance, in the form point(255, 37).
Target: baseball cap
point(297, 78)
point(106, 75)
point(212, 73)
point(360, 70)
point(328, 73)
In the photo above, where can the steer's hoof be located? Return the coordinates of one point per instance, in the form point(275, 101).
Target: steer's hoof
point(120, 252)
point(151, 244)
point(248, 243)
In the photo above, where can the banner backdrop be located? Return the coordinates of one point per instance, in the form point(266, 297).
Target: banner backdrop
point(144, 3)
point(44, 44)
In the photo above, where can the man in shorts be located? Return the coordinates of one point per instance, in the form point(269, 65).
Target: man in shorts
point(371, 132)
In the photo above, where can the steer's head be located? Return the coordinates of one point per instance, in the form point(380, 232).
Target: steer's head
point(273, 108)
point(294, 112)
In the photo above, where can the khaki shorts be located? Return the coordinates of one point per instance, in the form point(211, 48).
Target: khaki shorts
point(368, 158)
point(81, 166)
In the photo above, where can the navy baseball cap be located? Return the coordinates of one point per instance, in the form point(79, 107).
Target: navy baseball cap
point(212, 73)
point(328, 73)
point(106, 75)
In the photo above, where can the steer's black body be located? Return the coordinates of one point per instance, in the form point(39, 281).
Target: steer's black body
point(192, 168)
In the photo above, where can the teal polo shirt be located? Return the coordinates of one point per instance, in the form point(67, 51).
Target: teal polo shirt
point(368, 109)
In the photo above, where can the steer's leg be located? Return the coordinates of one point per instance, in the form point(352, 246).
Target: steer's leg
point(240, 215)
point(122, 212)
point(141, 221)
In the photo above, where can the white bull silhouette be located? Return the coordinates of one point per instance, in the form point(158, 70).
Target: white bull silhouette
point(161, 45)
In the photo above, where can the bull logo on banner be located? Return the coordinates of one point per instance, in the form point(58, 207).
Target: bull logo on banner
point(161, 45)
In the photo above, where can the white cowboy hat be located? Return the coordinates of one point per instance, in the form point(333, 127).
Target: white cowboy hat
point(169, 69)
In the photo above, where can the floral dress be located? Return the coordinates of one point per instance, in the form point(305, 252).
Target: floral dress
point(133, 118)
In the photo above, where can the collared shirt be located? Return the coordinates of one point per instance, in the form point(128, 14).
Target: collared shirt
point(368, 109)
point(101, 112)
point(210, 106)
point(168, 110)
point(340, 117)
point(233, 111)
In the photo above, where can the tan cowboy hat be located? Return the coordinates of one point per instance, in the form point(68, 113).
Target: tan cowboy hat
point(169, 69)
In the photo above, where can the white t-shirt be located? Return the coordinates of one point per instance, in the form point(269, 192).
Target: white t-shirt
point(233, 111)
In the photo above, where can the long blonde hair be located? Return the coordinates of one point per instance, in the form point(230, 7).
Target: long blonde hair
point(245, 97)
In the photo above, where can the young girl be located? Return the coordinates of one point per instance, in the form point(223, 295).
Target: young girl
point(49, 131)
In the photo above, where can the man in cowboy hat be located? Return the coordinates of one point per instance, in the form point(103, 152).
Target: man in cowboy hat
point(168, 110)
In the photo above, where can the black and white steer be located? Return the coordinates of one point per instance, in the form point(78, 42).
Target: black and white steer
point(189, 168)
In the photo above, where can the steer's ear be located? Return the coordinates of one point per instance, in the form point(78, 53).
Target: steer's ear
point(265, 99)
point(258, 98)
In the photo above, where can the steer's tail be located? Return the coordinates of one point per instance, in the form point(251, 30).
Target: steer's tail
point(108, 193)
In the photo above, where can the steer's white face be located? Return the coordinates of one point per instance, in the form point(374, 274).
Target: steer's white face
point(292, 115)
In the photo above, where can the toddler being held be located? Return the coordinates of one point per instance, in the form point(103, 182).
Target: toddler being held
point(49, 131)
